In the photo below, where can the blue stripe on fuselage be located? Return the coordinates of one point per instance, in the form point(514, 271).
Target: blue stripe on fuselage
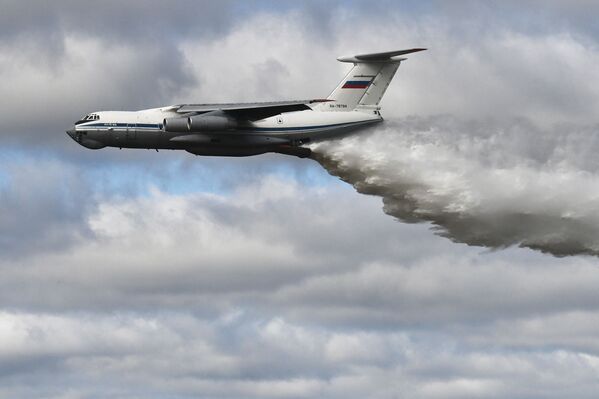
point(252, 129)
point(118, 124)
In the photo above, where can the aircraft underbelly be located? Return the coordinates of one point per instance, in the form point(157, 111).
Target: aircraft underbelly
point(235, 151)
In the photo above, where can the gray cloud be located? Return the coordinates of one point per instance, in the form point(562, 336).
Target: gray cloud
point(42, 207)
point(132, 21)
point(439, 292)
point(179, 355)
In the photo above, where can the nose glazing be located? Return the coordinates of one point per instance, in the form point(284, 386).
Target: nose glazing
point(72, 133)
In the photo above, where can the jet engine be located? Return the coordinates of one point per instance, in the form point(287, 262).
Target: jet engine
point(201, 123)
point(175, 125)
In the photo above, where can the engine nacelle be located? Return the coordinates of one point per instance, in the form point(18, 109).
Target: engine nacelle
point(176, 125)
point(210, 123)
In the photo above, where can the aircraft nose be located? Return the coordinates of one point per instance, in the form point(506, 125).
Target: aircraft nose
point(72, 132)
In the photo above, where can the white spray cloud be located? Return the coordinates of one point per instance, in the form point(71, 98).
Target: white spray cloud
point(481, 183)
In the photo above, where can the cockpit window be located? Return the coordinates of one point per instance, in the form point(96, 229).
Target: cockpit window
point(88, 117)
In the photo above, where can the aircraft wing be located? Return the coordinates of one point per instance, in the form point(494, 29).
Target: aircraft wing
point(250, 111)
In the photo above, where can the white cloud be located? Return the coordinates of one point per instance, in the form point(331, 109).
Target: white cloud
point(177, 354)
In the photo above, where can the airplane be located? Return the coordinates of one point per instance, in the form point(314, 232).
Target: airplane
point(245, 129)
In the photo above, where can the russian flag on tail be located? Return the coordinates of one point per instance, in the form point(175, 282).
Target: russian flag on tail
point(356, 84)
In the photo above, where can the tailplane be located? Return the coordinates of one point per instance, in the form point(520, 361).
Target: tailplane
point(367, 81)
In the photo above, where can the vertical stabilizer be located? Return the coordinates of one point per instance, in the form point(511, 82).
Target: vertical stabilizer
point(367, 81)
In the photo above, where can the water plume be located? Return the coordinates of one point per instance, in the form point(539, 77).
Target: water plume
point(484, 183)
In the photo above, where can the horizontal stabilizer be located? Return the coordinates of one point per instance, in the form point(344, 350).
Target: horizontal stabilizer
point(379, 57)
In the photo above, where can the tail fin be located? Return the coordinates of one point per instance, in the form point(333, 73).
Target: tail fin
point(367, 81)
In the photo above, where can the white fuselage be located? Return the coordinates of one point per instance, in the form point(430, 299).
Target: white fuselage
point(145, 129)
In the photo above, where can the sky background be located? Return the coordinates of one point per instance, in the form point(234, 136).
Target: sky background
point(449, 253)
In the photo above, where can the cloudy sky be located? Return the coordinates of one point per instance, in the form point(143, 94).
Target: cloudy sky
point(449, 253)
